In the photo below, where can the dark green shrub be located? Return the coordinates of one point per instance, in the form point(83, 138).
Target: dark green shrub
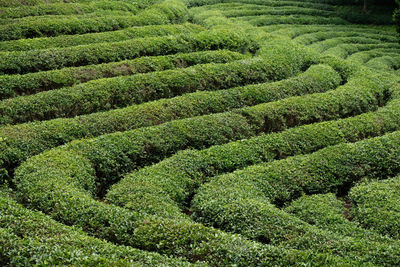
point(101, 37)
point(105, 94)
point(31, 83)
point(376, 206)
point(165, 12)
point(55, 58)
point(21, 141)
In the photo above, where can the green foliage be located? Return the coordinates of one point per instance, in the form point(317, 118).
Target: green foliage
point(66, 9)
point(24, 140)
point(233, 140)
point(165, 12)
point(27, 84)
point(32, 238)
point(101, 37)
point(396, 16)
point(55, 58)
point(328, 212)
point(105, 94)
point(376, 205)
point(70, 175)
point(241, 201)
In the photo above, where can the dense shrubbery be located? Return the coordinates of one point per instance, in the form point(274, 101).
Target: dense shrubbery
point(270, 20)
point(18, 3)
point(328, 212)
point(31, 83)
point(97, 163)
point(48, 134)
point(376, 205)
point(177, 175)
point(165, 12)
point(240, 202)
point(105, 94)
point(71, 178)
point(275, 134)
point(101, 37)
point(55, 58)
point(66, 9)
point(32, 238)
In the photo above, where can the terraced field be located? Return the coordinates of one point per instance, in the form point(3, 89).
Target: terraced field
point(198, 132)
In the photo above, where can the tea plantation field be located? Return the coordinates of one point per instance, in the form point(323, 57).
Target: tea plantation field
point(199, 132)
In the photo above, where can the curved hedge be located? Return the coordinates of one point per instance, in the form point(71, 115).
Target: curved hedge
point(257, 10)
point(365, 56)
point(360, 41)
point(223, 3)
point(100, 37)
point(71, 178)
point(376, 205)
point(55, 58)
point(46, 241)
point(305, 20)
point(68, 176)
point(21, 141)
point(105, 94)
point(94, 14)
point(345, 50)
point(18, 3)
point(310, 38)
point(328, 212)
point(240, 202)
point(31, 83)
point(389, 62)
point(94, 164)
point(316, 32)
point(66, 9)
point(32, 238)
point(176, 177)
point(165, 12)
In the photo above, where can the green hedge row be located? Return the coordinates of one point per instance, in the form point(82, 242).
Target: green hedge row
point(111, 156)
point(357, 41)
point(276, 11)
point(55, 58)
point(388, 62)
point(293, 32)
point(66, 9)
point(310, 38)
point(240, 202)
point(365, 56)
point(73, 183)
point(101, 37)
point(18, 3)
point(327, 212)
point(31, 83)
point(241, 3)
point(376, 157)
point(305, 20)
point(165, 12)
point(346, 50)
point(94, 14)
point(179, 175)
point(238, 10)
point(21, 141)
point(32, 238)
point(62, 181)
point(376, 205)
point(105, 94)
